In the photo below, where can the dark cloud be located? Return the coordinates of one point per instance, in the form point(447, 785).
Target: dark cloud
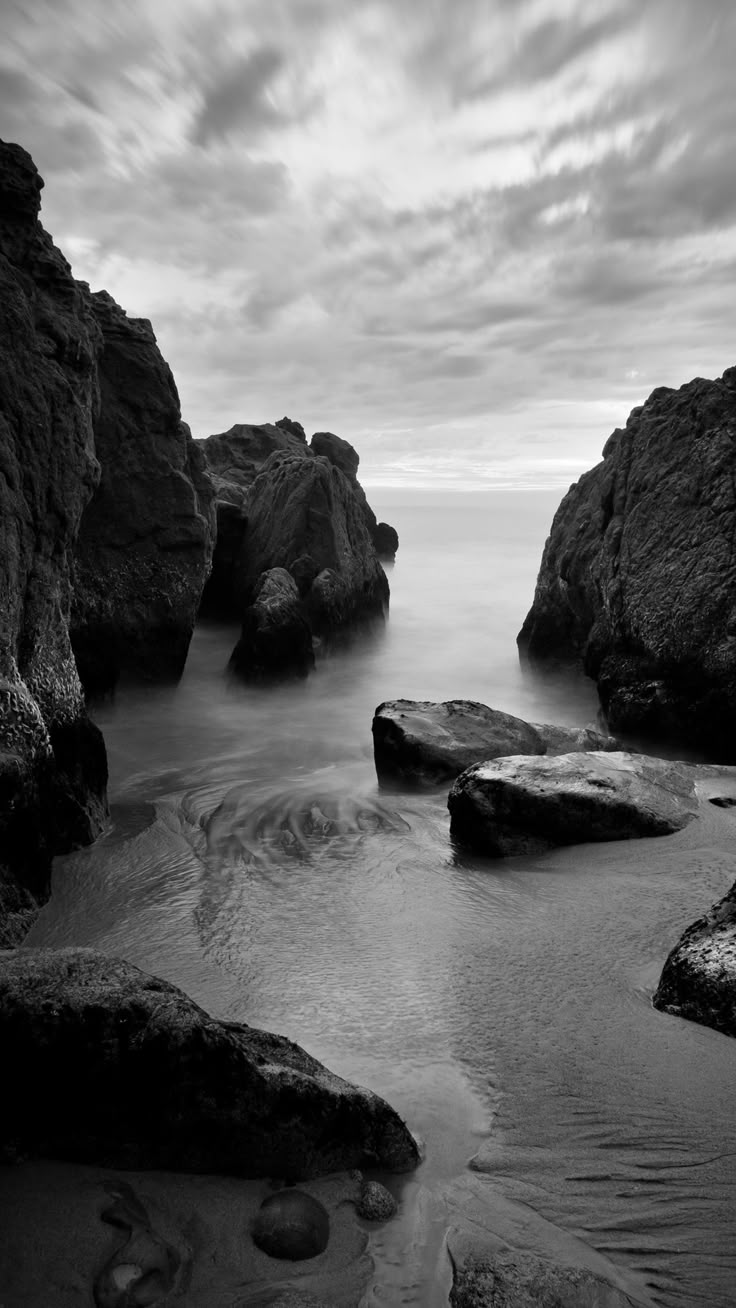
point(237, 99)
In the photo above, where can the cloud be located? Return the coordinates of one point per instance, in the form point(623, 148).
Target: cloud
point(238, 99)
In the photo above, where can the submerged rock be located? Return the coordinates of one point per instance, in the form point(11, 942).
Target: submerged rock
point(522, 805)
point(698, 980)
point(292, 1225)
point(116, 1067)
point(638, 574)
point(419, 742)
point(145, 541)
point(276, 639)
point(53, 769)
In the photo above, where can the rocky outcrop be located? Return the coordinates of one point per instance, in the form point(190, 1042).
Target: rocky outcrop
point(144, 1078)
point(276, 639)
point(511, 1278)
point(417, 742)
point(145, 541)
point(52, 759)
point(524, 805)
point(638, 575)
point(698, 980)
point(341, 453)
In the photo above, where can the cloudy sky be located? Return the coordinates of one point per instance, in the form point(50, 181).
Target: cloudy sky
point(468, 235)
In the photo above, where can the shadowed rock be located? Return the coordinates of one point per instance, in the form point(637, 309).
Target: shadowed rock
point(522, 805)
point(341, 453)
point(418, 742)
point(276, 639)
point(638, 575)
point(291, 1225)
point(144, 1078)
point(698, 980)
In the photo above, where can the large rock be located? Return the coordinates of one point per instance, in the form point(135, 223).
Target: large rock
point(145, 542)
point(106, 1064)
point(523, 804)
point(510, 1278)
point(276, 639)
point(340, 452)
point(638, 575)
point(698, 980)
point(52, 759)
point(418, 742)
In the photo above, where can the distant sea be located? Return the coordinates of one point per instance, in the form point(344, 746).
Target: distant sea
point(503, 1008)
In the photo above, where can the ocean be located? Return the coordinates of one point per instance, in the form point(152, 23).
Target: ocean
point(502, 1008)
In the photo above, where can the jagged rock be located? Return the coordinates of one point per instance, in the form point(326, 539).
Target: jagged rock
point(53, 768)
point(638, 575)
point(341, 453)
point(525, 804)
point(291, 425)
point(145, 541)
point(698, 980)
point(276, 640)
point(142, 1077)
point(291, 1224)
point(418, 742)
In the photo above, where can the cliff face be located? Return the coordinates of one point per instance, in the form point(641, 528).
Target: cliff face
point(638, 577)
point(52, 759)
point(145, 542)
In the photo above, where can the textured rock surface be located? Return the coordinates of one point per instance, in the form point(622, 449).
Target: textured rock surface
point(52, 760)
point(276, 640)
point(342, 454)
point(638, 575)
point(142, 1077)
point(145, 542)
point(419, 742)
point(375, 1202)
point(523, 804)
point(291, 1224)
point(698, 980)
point(512, 1279)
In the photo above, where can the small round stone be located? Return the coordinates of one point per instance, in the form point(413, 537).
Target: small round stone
point(376, 1203)
point(291, 1224)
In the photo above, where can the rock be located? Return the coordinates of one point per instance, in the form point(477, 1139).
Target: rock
point(638, 575)
point(302, 508)
point(418, 742)
point(343, 456)
point(509, 1278)
point(145, 542)
point(53, 769)
point(276, 640)
point(291, 425)
point(144, 1078)
point(375, 1203)
point(522, 804)
point(235, 457)
point(698, 980)
point(143, 1270)
point(292, 1225)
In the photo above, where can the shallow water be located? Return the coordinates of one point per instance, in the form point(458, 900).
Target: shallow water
point(502, 1008)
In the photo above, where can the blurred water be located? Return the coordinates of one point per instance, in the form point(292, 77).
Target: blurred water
point(502, 1008)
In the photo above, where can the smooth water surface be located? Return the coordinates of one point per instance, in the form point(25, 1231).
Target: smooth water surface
point(503, 1008)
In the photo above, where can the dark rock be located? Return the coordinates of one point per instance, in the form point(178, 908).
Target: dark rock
point(292, 1225)
point(386, 540)
point(723, 801)
point(143, 1270)
point(276, 640)
point(698, 980)
point(419, 742)
point(145, 541)
point(638, 575)
point(342, 455)
point(53, 770)
point(509, 1278)
point(375, 1203)
point(144, 1078)
point(291, 425)
point(522, 805)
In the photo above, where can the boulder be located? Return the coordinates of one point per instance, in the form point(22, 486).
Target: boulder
point(343, 456)
point(638, 575)
point(698, 980)
point(53, 769)
point(292, 1225)
point(524, 804)
point(510, 1278)
point(141, 1077)
point(145, 542)
point(276, 640)
point(418, 742)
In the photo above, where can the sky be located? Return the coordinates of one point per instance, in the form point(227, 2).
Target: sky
point(467, 235)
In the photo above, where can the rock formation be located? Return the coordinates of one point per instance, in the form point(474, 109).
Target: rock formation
point(144, 1078)
point(417, 742)
point(53, 769)
point(145, 542)
point(699, 977)
point(276, 639)
point(638, 575)
point(524, 805)
point(341, 453)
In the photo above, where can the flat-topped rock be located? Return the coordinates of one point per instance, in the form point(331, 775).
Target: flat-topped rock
point(525, 804)
point(115, 1067)
point(419, 742)
point(698, 980)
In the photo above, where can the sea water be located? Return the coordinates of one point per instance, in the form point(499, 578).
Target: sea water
point(502, 1007)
